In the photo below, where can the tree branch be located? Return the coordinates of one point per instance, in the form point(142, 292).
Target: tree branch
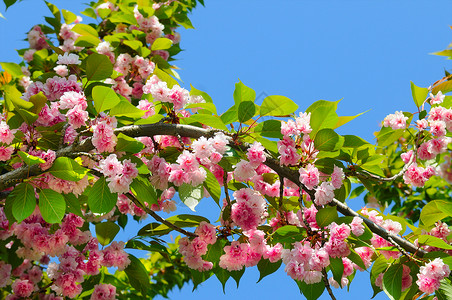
point(9, 179)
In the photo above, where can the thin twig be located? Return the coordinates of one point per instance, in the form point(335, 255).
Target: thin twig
point(160, 219)
point(327, 284)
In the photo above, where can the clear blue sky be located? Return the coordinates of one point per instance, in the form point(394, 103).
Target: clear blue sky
point(365, 52)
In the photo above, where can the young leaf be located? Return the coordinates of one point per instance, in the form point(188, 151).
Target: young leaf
point(277, 106)
point(52, 206)
point(128, 144)
point(98, 67)
point(243, 93)
point(161, 44)
point(84, 29)
point(419, 94)
point(213, 121)
point(106, 232)
point(104, 98)
point(433, 241)
point(431, 213)
point(23, 201)
point(30, 159)
point(328, 140)
point(126, 109)
point(323, 115)
point(67, 169)
point(100, 199)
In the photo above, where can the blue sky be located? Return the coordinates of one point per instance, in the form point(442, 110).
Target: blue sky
point(365, 52)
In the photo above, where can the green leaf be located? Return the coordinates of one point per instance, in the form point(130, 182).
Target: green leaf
point(354, 257)
point(323, 115)
point(30, 159)
point(39, 100)
point(73, 204)
point(378, 267)
point(353, 141)
point(433, 241)
point(87, 41)
point(106, 232)
point(337, 268)
point(84, 29)
point(67, 169)
point(104, 98)
point(311, 291)
point(265, 268)
point(191, 195)
point(431, 213)
point(444, 87)
point(128, 144)
point(125, 109)
point(212, 121)
point(269, 128)
point(288, 234)
point(161, 44)
point(246, 111)
point(23, 201)
point(98, 67)
point(100, 199)
point(223, 276)
point(152, 229)
point(138, 275)
point(445, 207)
point(243, 93)
point(135, 45)
point(392, 281)
point(419, 94)
point(345, 119)
point(185, 220)
point(52, 206)
point(123, 18)
point(143, 191)
point(68, 16)
point(212, 186)
point(388, 136)
point(196, 92)
point(230, 116)
point(103, 12)
point(328, 140)
point(277, 106)
point(236, 275)
point(326, 216)
point(162, 75)
point(12, 68)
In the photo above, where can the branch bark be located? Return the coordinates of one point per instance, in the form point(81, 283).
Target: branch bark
point(9, 179)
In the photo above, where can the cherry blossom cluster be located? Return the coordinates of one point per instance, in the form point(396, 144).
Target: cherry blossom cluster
point(6, 138)
point(119, 174)
point(431, 274)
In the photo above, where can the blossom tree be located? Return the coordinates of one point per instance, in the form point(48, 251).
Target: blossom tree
point(96, 130)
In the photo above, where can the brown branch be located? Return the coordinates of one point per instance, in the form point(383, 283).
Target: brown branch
point(327, 284)
point(160, 219)
point(9, 179)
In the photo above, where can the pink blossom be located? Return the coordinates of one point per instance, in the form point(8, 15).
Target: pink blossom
point(337, 177)
point(273, 254)
point(324, 193)
point(119, 184)
point(340, 232)
point(5, 274)
point(71, 99)
point(357, 226)
point(235, 256)
point(103, 292)
point(202, 148)
point(68, 59)
point(421, 124)
point(61, 70)
point(438, 128)
point(5, 153)
point(110, 166)
point(244, 171)
point(437, 99)
point(206, 232)
point(22, 288)
point(77, 117)
point(256, 154)
point(395, 121)
point(406, 157)
point(309, 176)
point(6, 135)
point(104, 138)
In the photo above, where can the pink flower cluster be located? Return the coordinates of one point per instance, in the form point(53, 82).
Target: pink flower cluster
point(237, 255)
point(250, 209)
point(119, 174)
point(431, 274)
point(104, 138)
point(194, 250)
point(431, 148)
point(103, 292)
point(336, 245)
point(159, 90)
point(395, 121)
point(417, 176)
point(6, 138)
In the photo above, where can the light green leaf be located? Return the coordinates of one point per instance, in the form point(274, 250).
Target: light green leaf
point(161, 44)
point(328, 140)
point(98, 67)
point(128, 144)
point(392, 281)
point(12, 68)
point(104, 98)
point(269, 128)
point(431, 213)
point(135, 45)
point(39, 100)
point(196, 92)
point(387, 136)
point(353, 141)
point(212, 186)
point(30, 159)
point(243, 93)
point(68, 16)
point(186, 220)
point(84, 29)
point(87, 41)
point(191, 195)
point(323, 115)
point(143, 191)
point(67, 169)
point(209, 120)
point(433, 241)
point(100, 199)
point(277, 106)
point(125, 109)
point(106, 232)
point(52, 206)
point(288, 234)
point(230, 116)
point(345, 119)
point(23, 201)
point(419, 94)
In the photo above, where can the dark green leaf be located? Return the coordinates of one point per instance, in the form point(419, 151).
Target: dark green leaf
point(73, 204)
point(100, 199)
point(106, 232)
point(98, 67)
point(246, 111)
point(265, 268)
point(138, 275)
point(337, 268)
point(392, 281)
point(128, 144)
point(212, 186)
point(269, 128)
point(326, 216)
point(23, 201)
point(288, 234)
point(311, 291)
